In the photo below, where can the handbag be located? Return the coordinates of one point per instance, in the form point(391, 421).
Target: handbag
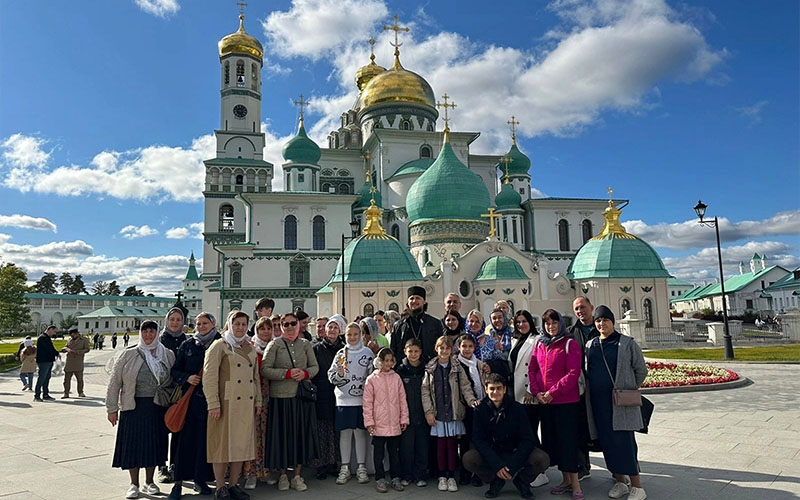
point(176, 414)
point(621, 397)
point(168, 392)
point(306, 390)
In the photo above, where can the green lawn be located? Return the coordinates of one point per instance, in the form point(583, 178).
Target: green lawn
point(769, 353)
point(11, 347)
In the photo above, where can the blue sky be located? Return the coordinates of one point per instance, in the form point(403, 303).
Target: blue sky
point(107, 111)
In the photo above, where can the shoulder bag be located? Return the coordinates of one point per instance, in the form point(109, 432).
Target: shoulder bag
point(168, 392)
point(621, 397)
point(176, 414)
point(306, 390)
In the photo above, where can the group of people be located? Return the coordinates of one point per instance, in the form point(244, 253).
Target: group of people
point(430, 396)
point(40, 358)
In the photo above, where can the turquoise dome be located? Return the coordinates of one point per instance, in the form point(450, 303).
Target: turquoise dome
point(508, 198)
point(447, 190)
point(520, 164)
point(301, 149)
point(377, 260)
point(501, 268)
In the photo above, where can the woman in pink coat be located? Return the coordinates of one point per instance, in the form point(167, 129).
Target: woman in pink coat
point(385, 416)
point(553, 373)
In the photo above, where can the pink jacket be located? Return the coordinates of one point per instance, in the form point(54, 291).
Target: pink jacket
point(556, 368)
point(385, 404)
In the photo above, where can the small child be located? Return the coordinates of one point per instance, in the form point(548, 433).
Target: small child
point(348, 372)
point(28, 357)
point(444, 389)
point(414, 440)
point(476, 371)
point(386, 417)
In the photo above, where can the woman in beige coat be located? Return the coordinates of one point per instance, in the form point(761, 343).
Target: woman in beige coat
point(233, 390)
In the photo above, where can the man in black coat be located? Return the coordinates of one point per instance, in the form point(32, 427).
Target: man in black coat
point(583, 330)
point(46, 355)
point(417, 324)
point(504, 445)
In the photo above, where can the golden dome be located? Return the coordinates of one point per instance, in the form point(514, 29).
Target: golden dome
point(240, 43)
point(368, 72)
point(397, 85)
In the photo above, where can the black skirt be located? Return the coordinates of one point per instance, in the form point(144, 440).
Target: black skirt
point(291, 433)
point(190, 451)
point(141, 436)
point(560, 434)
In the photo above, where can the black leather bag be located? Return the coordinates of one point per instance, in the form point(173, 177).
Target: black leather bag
point(306, 390)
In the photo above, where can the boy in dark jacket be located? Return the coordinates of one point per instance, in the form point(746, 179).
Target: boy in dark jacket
point(505, 447)
point(414, 440)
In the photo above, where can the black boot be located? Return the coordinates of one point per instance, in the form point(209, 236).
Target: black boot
point(494, 488)
point(237, 493)
point(476, 481)
point(175, 494)
point(202, 488)
point(523, 487)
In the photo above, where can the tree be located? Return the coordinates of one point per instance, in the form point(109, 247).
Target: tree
point(66, 282)
point(68, 323)
point(113, 288)
point(14, 311)
point(131, 291)
point(78, 286)
point(100, 288)
point(46, 284)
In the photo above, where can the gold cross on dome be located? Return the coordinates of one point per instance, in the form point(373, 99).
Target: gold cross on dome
point(241, 5)
point(397, 29)
point(506, 160)
point(302, 104)
point(446, 105)
point(372, 49)
point(513, 124)
point(610, 193)
point(491, 216)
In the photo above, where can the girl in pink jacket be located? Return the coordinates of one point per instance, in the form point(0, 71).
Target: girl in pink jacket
point(553, 373)
point(385, 417)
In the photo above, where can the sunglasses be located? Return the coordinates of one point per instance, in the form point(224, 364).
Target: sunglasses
point(289, 324)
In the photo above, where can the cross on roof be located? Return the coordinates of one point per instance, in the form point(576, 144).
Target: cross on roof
point(513, 124)
point(506, 160)
point(179, 295)
point(372, 48)
point(397, 29)
point(301, 103)
point(610, 192)
point(241, 5)
point(491, 216)
point(446, 105)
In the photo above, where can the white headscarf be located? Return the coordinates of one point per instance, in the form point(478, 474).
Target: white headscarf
point(474, 374)
point(231, 339)
point(157, 362)
point(28, 342)
point(340, 322)
point(260, 345)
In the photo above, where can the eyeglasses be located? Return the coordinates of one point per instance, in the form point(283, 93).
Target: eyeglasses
point(289, 324)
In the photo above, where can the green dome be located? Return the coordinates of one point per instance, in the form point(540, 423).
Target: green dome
point(301, 149)
point(377, 259)
point(365, 196)
point(414, 167)
point(501, 268)
point(447, 190)
point(508, 198)
point(520, 164)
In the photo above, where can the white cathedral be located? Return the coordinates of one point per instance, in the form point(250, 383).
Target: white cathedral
point(424, 209)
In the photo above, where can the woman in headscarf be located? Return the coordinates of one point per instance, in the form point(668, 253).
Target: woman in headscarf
point(142, 436)
point(453, 322)
point(292, 422)
point(189, 459)
point(555, 367)
point(233, 391)
point(485, 345)
point(171, 337)
point(325, 351)
point(615, 361)
point(500, 330)
point(255, 469)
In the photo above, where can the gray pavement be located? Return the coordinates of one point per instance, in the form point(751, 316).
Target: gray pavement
point(736, 444)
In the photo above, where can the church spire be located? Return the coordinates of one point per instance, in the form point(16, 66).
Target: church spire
point(612, 227)
point(301, 104)
point(513, 122)
point(397, 29)
point(445, 105)
point(373, 228)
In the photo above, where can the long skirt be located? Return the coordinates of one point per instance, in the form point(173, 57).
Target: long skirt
point(190, 451)
point(141, 436)
point(619, 447)
point(291, 433)
point(328, 445)
point(256, 467)
point(560, 434)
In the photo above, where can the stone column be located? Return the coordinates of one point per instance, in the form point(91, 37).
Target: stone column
point(633, 327)
point(716, 333)
point(790, 323)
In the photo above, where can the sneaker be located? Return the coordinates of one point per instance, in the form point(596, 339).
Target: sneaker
point(298, 483)
point(251, 482)
point(452, 485)
point(405, 482)
point(133, 491)
point(540, 480)
point(397, 484)
point(175, 493)
point(65, 396)
point(237, 493)
point(422, 483)
point(523, 488)
point(344, 475)
point(283, 483)
point(637, 494)
point(48, 398)
point(164, 475)
point(271, 480)
point(151, 489)
point(81, 395)
point(361, 474)
point(222, 494)
point(37, 398)
point(495, 487)
point(382, 486)
point(442, 484)
point(619, 490)
point(584, 474)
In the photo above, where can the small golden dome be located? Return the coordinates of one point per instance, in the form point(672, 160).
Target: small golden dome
point(397, 84)
point(367, 73)
point(240, 43)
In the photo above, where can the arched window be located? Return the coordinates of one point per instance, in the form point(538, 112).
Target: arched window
point(647, 306)
point(326, 187)
point(318, 230)
point(405, 125)
point(240, 73)
point(586, 228)
point(514, 231)
point(425, 151)
point(236, 278)
point(425, 257)
point(254, 76)
point(505, 229)
point(239, 180)
point(624, 306)
point(227, 72)
point(344, 189)
point(299, 276)
point(395, 231)
point(226, 219)
point(369, 309)
point(394, 307)
point(290, 232)
point(563, 235)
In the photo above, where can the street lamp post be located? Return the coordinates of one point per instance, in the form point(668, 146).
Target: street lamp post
point(700, 209)
point(355, 226)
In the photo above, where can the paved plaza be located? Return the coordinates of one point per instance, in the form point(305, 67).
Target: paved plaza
point(735, 444)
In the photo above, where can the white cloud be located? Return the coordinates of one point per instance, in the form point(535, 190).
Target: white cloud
point(160, 8)
point(27, 222)
point(132, 232)
point(21, 151)
point(703, 265)
point(752, 113)
point(194, 230)
point(690, 234)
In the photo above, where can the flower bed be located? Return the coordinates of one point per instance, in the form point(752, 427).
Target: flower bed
point(673, 374)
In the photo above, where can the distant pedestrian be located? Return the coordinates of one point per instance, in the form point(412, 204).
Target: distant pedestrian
point(100, 341)
point(28, 368)
point(46, 355)
point(126, 338)
point(114, 340)
point(96, 341)
point(76, 349)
